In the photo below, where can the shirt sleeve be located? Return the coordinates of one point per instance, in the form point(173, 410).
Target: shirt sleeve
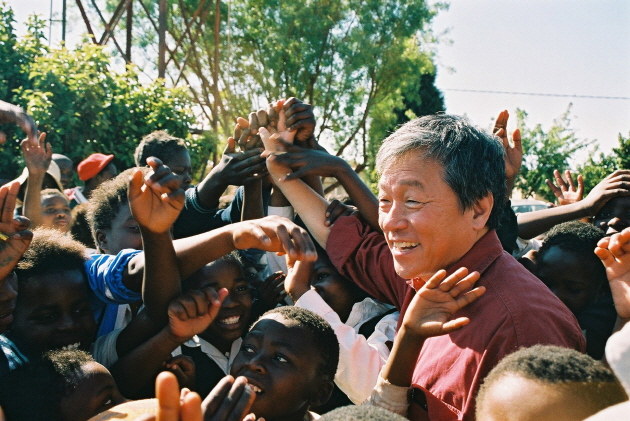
point(388, 396)
point(104, 349)
point(105, 277)
point(360, 359)
point(361, 254)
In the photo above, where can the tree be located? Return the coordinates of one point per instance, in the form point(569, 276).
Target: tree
point(85, 107)
point(597, 168)
point(351, 59)
point(545, 152)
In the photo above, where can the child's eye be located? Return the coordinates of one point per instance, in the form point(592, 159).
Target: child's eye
point(46, 318)
point(242, 288)
point(82, 311)
point(322, 276)
point(281, 358)
point(247, 349)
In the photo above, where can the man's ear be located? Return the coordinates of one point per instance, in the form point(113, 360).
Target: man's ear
point(101, 240)
point(323, 392)
point(481, 211)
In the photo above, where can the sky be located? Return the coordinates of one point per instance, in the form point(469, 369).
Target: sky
point(551, 47)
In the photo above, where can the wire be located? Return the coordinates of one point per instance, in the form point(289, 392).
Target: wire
point(538, 94)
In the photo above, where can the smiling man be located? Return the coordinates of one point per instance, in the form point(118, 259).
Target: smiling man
point(441, 189)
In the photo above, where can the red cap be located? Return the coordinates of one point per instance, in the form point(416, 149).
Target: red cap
point(92, 165)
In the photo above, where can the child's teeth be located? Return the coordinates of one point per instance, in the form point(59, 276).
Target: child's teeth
point(231, 320)
point(255, 389)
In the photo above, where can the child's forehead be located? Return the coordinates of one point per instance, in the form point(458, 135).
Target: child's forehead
point(66, 281)
point(274, 327)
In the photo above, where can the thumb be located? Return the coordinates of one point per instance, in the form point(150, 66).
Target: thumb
point(231, 146)
point(136, 181)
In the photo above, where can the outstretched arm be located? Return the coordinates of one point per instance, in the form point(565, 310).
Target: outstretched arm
point(617, 184)
point(37, 159)
point(10, 113)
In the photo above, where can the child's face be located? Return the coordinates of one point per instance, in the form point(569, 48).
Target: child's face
point(8, 298)
point(570, 277)
point(180, 165)
point(96, 392)
point(53, 311)
point(614, 216)
point(332, 287)
point(233, 318)
point(278, 357)
point(56, 213)
point(515, 398)
point(124, 233)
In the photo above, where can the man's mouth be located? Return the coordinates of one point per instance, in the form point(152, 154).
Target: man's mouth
point(404, 245)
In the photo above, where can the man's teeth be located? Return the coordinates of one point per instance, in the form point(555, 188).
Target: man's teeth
point(71, 347)
point(404, 245)
point(230, 320)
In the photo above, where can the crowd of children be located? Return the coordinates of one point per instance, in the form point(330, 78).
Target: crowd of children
point(139, 296)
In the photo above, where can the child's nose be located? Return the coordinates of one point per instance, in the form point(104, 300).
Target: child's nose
point(256, 364)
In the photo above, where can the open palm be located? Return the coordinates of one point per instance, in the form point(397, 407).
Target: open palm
point(614, 252)
point(429, 313)
point(15, 230)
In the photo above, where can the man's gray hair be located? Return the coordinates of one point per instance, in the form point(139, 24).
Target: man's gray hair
point(473, 160)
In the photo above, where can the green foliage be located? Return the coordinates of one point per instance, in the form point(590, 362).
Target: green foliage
point(597, 167)
point(354, 60)
point(545, 152)
point(83, 106)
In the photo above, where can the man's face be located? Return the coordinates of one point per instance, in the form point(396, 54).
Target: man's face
point(421, 219)
point(56, 213)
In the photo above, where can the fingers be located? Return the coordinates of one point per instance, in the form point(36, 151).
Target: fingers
point(262, 118)
point(470, 297)
point(230, 147)
point(561, 183)
point(235, 403)
point(191, 407)
point(516, 139)
point(272, 116)
point(569, 177)
point(161, 180)
point(8, 198)
point(167, 393)
point(135, 184)
point(554, 189)
point(216, 396)
point(435, 279)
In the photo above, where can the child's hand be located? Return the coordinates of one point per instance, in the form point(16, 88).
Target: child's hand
point(37, 157)
point(614, 185)
point(184, 369)
point(14, 234)
point(10, 113)
point(271, 290)
point(275, 139)
point(239, 168)
point(565, 191)
point(156, 200)
point(433, 305)
point(229, 400)
point(513, 154)
point(298, 280)
point(614, 252)
point(274, 234)
point(192, 313)
point(304, 161)
point(337, 209)
point(301, 120)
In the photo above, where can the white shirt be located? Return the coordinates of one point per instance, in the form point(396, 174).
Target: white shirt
point(360, 359)
point(224, 361)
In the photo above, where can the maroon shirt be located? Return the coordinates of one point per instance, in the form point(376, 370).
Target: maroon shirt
point(516, 311)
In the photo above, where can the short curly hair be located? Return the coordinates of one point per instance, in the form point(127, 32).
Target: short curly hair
point(556, 365)
point(106, 201)
point(158, 144)
point(50, 252)
point(580, 238)
point(323, 335)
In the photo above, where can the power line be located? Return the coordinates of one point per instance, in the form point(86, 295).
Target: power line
point(538, 94)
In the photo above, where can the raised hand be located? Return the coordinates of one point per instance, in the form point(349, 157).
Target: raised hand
point(37, 156)
point(274, 234)
point(239, 168)
point(192, 313)
point(271, 290)
point(10, 113)
point(614, 252)
point(514, 152)
point(157, 199)
point(14, 234)
point(430, 311)
point(565, 191)
point(300, 119)
point(298, 280)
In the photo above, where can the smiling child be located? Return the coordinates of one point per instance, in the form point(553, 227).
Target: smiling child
point(289, 357)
